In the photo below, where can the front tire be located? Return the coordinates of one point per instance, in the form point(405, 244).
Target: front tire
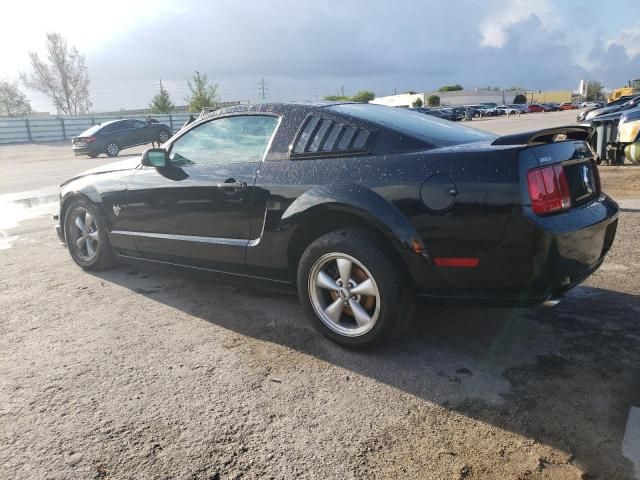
point(352, 291)
point(93, 155)
point(85, 234)
point(112, 149)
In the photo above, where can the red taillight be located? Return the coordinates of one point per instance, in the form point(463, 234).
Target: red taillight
point(549, 189)
point(456, 261)
point(89, 139)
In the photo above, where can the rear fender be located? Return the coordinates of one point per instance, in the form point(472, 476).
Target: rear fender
point(360, 201)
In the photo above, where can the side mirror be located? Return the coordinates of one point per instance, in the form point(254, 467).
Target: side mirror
point(155, 157)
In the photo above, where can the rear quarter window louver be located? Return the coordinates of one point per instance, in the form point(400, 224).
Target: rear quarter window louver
point(320, 136)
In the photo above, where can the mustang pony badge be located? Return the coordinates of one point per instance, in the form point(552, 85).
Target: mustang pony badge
point(117, 209)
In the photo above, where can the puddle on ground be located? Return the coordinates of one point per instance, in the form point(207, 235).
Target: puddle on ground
point(15, 209)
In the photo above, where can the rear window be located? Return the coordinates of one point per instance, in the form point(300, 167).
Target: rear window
point(432, 130)
point(91, 131)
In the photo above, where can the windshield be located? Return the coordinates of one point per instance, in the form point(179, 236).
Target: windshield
point(434, 131)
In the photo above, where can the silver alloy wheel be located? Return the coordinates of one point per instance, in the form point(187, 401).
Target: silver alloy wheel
point(84, 235)
point(112, 149)
point(344, 294)
point(163, 136)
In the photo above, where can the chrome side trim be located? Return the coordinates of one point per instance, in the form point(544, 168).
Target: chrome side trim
point(236, 242)
point(204, 269)
point(256, 241)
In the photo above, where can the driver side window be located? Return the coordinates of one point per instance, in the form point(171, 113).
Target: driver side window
point(236, 139)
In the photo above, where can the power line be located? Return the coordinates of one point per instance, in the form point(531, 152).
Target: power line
point(262, 87)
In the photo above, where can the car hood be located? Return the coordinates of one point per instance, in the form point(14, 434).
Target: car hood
point(127, 164)
point(602, 111)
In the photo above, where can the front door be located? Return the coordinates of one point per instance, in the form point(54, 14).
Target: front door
point(199, 211)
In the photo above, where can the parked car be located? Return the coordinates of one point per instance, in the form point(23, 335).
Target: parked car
point(568, 106)
point(534, 108)
point(473, 110)
point(444, 113)
point(520, 106)
point(612, 107)
point(112, 137)
point(550, 107)
point(507, 109)
point(485, 110)
point(361, 208)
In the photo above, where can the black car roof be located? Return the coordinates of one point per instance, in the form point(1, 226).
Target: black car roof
point(275, 107)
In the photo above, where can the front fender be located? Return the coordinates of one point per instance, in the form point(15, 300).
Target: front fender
point(363, 202)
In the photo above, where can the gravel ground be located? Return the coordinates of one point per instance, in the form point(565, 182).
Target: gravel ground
point(133, 373)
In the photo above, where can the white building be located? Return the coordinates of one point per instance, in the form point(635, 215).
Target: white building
point(461, 97)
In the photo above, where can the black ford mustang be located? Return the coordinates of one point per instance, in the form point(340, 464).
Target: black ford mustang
point(360, 207)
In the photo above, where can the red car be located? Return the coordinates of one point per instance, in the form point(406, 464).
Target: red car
point(535, 108)
point(568, 106)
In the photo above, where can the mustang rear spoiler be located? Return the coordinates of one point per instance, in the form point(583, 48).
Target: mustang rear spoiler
point(547, 135)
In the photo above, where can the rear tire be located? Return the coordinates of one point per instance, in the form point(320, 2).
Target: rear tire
point(163, 136)
point(85, 234)
point(112, 149)
point(376, 303)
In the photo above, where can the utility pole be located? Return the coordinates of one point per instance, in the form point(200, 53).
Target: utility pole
point(262, 88)
point(395, 91)
point(341, 91)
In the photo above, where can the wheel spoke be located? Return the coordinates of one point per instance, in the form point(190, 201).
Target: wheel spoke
point(344, 267)
point(364, 288)
point(88, 220)
point(90, 248)
point(80, 242)
point(94, 236)
point(334, 311)
point(325, 281)
point(80, 223)
point(360, 314)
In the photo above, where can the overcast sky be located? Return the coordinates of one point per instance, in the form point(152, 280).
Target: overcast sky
point(305, 49)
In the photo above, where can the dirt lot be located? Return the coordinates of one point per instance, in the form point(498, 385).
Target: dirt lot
point(134, 373)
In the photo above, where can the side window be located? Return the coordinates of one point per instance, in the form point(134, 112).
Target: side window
point(136, 124)
point(225, 140)
point(114, 127)
point(130, 124)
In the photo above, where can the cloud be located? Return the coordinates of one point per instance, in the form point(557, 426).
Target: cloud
point(501, 16)
point(629, 39)
point(305, 49)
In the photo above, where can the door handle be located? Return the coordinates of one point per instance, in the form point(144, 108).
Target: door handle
point(233, 185)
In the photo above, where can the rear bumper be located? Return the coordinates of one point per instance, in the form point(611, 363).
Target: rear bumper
point(85, 149)
point(540, 258)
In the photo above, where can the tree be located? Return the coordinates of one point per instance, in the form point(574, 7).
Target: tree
point(450, 88)
point(363, 96)
point(594, 91)
point(13, 102)
point(336, 98)
point(64, 78)
point(161, 102)
point(202, 94)
point(520, 99)
point(433, 100)
point(417, 103)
